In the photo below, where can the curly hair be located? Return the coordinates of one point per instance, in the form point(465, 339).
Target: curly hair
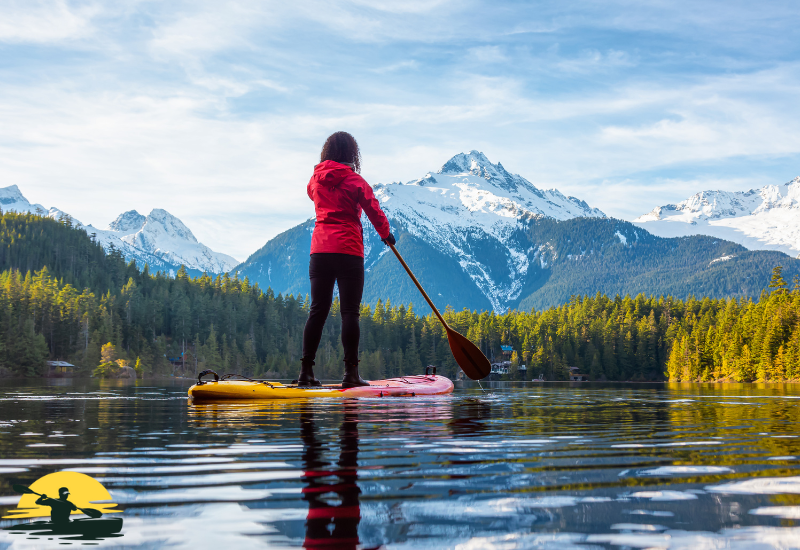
point(342, 147)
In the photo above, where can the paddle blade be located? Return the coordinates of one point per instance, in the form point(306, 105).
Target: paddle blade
point(91, 512)
point(471, 360)
point(23, 489)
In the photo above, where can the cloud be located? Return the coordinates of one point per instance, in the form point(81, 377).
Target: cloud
point(716, 119)
point(399, 66)
point(43, 21)
point(593, 61)
point(213, 26)
point(106, 154)
point(487, 54)
point(405, 6)
point(217, 111)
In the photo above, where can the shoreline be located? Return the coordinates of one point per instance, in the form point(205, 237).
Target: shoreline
point(486, 382)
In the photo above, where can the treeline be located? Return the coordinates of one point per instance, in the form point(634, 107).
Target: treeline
point(741, 340)
point(29, 242)
point(164, 325)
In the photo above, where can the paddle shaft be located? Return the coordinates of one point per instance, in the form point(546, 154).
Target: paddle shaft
point(419, 286)
point(467, 355)
point(23, 489)
point(88, 511)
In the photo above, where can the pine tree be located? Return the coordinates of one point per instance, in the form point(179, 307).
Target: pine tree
point(777, 281)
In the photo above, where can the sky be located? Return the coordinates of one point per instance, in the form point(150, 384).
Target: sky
point(217, 111)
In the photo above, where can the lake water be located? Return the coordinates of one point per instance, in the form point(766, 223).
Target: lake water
point(515, 466)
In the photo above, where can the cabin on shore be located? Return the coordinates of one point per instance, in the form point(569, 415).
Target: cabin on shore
point(575, 376)
point(177, 362)
point(501, 368)
point(60, 368)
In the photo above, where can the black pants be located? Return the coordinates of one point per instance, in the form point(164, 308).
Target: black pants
point(324, 270)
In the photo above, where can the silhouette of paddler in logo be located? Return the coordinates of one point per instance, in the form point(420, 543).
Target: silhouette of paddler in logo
point(328, 525)
point(88, 491)
point(60, 508)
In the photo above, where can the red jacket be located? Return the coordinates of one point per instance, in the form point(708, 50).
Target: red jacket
point(339, 194)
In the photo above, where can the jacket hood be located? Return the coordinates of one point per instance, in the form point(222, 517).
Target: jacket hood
point(330, 173)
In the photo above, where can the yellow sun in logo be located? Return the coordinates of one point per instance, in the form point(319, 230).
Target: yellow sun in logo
point(84, 492)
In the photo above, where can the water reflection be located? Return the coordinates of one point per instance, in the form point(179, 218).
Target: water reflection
point(517, 466)
point(331, 523)
point(471, 418)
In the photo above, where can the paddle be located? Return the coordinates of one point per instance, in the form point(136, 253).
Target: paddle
point(91, 512)
point(471, 360)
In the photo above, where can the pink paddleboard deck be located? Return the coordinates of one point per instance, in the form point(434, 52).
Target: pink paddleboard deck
point(406, 386)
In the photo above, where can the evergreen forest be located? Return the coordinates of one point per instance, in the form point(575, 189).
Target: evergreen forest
point(63, 298)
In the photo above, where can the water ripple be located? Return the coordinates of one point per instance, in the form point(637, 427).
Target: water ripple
point(555, 466)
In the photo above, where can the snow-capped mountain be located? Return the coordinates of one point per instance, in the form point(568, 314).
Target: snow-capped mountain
point(470, 191)
point(164, 236)
point(481, 238)
point(12, 199)
point(466, 223)
point(471, 209)
point(160, 240)
point(759, 219)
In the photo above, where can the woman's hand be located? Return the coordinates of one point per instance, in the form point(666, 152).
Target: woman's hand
point(389, 240)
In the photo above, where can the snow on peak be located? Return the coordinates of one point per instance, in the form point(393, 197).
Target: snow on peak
point(11, 195)
point(767, 218)
point(474, 161)
point(159, 236)
point(477, 164)
point(166, 237)
point(469, 189)
point(12, 199)
point(707, 205)
point(160, 220)
point(471, 198)
point(127, 222)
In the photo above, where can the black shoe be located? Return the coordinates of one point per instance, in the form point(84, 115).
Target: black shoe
point(351, 377)
point(306, 378)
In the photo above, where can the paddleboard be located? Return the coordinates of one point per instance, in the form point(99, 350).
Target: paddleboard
point(404, 386)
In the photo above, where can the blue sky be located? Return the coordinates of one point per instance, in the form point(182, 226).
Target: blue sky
point(217, 111)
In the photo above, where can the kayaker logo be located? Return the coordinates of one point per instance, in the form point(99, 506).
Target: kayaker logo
point(58, 497)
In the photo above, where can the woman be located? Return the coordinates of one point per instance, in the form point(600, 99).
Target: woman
point(337, 251)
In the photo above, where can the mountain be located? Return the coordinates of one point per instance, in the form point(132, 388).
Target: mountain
point(159, 240)
point(463, 221)
point(12, 199)
point(760, 219)
point(479, 237)
point(586, 256)
point(471, 210)
point(163, 236)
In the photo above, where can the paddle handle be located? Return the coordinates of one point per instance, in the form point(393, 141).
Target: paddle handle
point(22, 489)
point(419, 286)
